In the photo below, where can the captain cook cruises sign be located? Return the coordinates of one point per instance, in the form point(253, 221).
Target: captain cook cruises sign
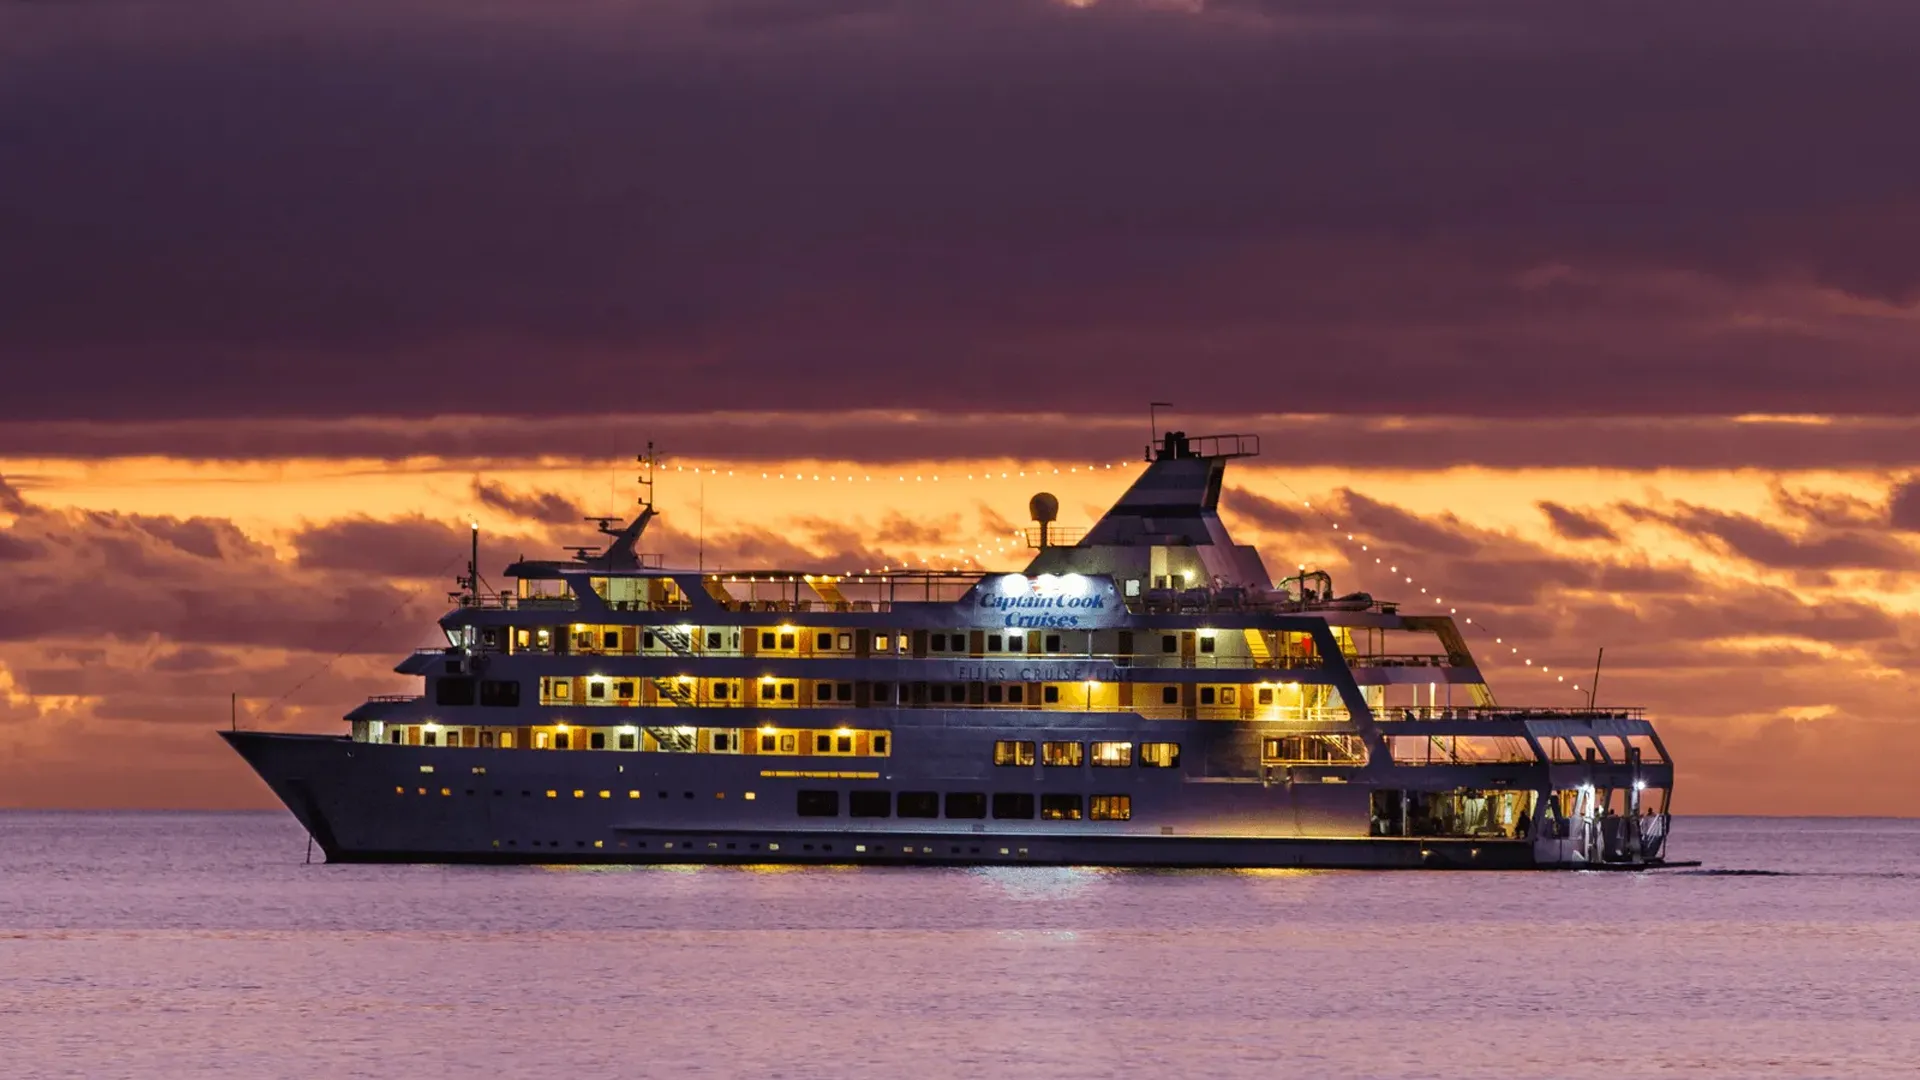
point(1045, 602)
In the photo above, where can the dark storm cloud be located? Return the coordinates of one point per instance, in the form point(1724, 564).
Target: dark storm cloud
point(545, 507)
point(1769, 546)
point(1501, 207)
point(1571, 524)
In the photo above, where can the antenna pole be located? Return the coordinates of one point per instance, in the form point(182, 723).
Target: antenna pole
point(233, 711)
point(1153, 423)
point(473, 567)
point(701, 565)
point(1594, 689)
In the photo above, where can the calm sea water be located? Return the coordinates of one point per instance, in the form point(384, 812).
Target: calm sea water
point(164, 945)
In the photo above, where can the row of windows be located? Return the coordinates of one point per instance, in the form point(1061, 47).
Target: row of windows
point(1153, 755)
point(969, 805)
point(838, 741)
point(497, 692)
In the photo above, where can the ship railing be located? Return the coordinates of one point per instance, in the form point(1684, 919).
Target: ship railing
point(395, 699)
point(1510, 712)
point(1275, 714)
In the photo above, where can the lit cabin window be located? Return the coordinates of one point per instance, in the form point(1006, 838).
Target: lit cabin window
point(1012, 752)
point(1159, 755)
point(1061, 754)
point(846, 642)
point(1112, 754)
point(1060, 808)
point(1111, 808)
point(1229, 695)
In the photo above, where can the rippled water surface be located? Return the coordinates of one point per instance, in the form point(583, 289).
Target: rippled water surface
point(156, 945)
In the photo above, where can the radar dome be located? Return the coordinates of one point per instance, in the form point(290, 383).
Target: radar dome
point(1044, 508)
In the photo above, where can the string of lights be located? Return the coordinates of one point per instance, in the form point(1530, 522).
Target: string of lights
point(965, 559)
point(1394, 568)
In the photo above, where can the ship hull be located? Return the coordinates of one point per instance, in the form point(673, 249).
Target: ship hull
point(373, 803)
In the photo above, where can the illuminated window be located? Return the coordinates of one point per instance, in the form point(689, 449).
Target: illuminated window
point(551, 794)
point(606, 794)
point(1159, 755)
point(1111, 808)
point(787, 744)
point(1113, 754)
point(1012, 752)
point(1013, 804)
point(1318, 749)
point(1061, 754)
point(1060, 808)
point(1229, 695)
point(845, 642)
point(579, 793)
point(882, 643)
point(633, 794)
point(399, 791)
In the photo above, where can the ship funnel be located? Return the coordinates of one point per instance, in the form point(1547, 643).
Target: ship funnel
point(1045, 510)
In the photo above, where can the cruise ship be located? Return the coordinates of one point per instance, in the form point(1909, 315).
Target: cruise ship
point(1142, 694)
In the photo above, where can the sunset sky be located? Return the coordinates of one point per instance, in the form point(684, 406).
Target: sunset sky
point(1603, 319)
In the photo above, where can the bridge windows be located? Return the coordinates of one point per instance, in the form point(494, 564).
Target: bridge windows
point(1457, 749)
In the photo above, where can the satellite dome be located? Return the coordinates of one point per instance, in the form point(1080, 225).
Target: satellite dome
point(1044, 508)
